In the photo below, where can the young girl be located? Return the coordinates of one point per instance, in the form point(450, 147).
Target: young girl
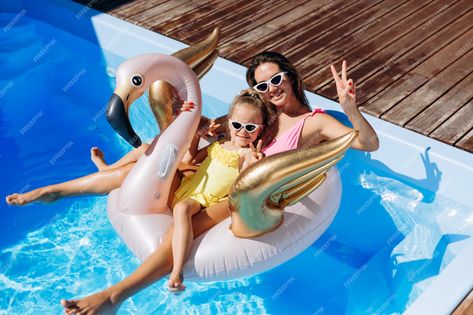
point(221, 163)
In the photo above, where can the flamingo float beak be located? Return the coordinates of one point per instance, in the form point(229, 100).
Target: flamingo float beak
point(118, 118)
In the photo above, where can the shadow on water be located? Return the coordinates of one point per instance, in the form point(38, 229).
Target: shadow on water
point(384, 215)
point(384, 242)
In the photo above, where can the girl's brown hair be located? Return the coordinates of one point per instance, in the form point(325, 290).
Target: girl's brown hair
point(286, 66)
point(267, 111)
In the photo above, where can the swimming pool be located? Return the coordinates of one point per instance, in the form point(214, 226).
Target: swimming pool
point(400, 242)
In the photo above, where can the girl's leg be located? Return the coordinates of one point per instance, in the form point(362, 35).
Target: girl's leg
point(156, 266)
point(96, 183)
point(182, 171)
point(96, 155)
point(182, 239)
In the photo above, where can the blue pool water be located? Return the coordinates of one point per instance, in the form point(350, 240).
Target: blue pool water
point(392, 236)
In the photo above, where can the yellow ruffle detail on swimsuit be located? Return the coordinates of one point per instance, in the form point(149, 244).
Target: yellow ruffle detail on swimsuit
point(213, 179)
point(228, 158)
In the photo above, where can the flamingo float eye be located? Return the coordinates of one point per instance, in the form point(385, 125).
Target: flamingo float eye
point(136, 80)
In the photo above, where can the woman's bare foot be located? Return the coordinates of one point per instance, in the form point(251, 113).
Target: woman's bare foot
point(96, 155)
point(98, 303)
point(175, 282)
point(46, 194)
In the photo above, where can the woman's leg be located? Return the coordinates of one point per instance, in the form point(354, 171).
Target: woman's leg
point(96, 155)
point(182, 239)
point(156, 266)
point(96, 183)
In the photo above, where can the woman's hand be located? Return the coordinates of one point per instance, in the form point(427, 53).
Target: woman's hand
point(187, 106)
point(367, 139)
point(252, 155)
point(345, 89)
point(208, 130)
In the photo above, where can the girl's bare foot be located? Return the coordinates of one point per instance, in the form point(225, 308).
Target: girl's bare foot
point(96, 155)
point(46, 194)
point(98, 303)
point(175, 282)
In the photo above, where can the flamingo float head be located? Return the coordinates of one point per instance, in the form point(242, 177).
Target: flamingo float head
point(138, 74)
point(132, 82)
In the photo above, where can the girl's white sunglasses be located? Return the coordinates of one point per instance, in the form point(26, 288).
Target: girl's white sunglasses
point(236, 125)
point(275, 80)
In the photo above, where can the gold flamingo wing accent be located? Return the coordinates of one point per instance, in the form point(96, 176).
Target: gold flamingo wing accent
point(200, 57)
point(262, 191)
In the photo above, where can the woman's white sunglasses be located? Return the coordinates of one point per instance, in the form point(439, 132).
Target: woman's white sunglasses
point(274, 81)
point(236, 125)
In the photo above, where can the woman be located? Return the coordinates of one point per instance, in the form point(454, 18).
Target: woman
point(272, 75)
point(283, 89)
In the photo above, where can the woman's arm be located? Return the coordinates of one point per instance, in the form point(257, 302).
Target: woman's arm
point(330, 128)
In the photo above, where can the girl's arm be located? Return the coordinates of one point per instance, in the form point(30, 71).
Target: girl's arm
point(191, 154)
point(205, 128)
point(194, 155)
point(200, 156)
point(250, 156)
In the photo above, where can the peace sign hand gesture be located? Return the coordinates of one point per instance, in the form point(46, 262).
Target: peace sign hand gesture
point(252, 155)
point(208, 130)
point(345, 89)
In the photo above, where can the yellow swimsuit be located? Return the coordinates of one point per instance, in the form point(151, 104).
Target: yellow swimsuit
point(213, 179)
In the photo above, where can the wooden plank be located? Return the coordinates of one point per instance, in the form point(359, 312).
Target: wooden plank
point(466, 143)
point(320, 25)
point(456, 126)
point(430, 91)
point(375, 37)
point(135, 7)
point(320, 36)
point(405, 44)
point(259, 19)
point(466, 307)
point(219, 17)
point(234, 17)
point(186, 20)
point(173, 13)
point(238, 48)
point(250, 38)
point(392, 71)
point(249, 18)
point(391, 44)
point(283, 28)
point(441, 110)
point(418, 76)
point(211, 19)
point(147, 17)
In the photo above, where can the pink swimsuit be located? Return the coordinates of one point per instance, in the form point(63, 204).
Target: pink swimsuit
point(290, 138)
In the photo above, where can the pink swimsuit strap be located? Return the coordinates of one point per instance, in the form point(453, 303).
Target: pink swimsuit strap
point(289, 139)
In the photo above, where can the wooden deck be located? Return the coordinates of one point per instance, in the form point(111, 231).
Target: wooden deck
point(412, 60)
